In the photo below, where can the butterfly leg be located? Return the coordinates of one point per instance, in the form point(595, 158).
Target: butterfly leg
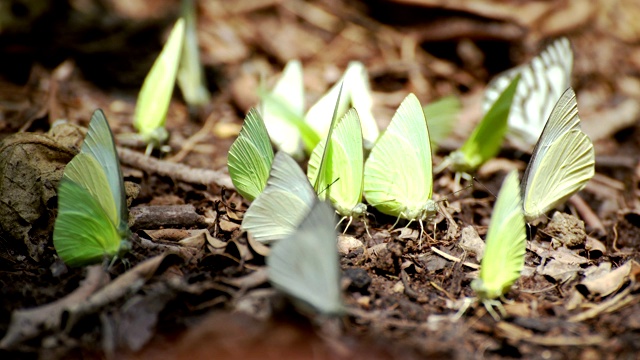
point(149, 149)
point(466, 302)
point(366, 227)
point(490, 304)
point(396, 223)
point(348, 224)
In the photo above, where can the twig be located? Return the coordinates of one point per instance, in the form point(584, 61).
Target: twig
point(454, 259)
point(159, 216)
point(587, 214)
point(175, 171)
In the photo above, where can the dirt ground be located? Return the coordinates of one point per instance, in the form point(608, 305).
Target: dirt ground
point(192, 287)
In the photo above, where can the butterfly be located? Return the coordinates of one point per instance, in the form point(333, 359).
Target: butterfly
point(305, 264)
point(250, 157)
point(336, 169)
point(293, 131)
point(505, 245)
point(283, 112)
point(190, 72)
point(442, 116)
point(398, 177)
point(544, 79)
point(92, 210)
point(155, 94)
point(283, 203)
point(356, 93)
point(562, 163)
point(486, 139)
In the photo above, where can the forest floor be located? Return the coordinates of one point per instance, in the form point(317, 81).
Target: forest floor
point(192, 286)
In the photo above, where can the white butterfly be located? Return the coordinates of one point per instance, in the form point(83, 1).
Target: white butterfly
point(543, 80)
point(283, 203)
point(562, 162)
point(305, 265)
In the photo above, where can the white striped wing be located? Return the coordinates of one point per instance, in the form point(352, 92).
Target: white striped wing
point(544, 79)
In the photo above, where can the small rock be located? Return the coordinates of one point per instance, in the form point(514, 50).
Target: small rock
point(359, 279)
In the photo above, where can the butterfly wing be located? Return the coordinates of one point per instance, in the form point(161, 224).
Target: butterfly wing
point(486, 139)
point(562, 163)
point(190, 72)
point(343, 178)
point(359, 91)
point(505, 244)
point(283, 107)
point(442, 116)
point(544, 79)
point(100, 145)
point(250, 157)
point(155, 94)
point(83, 232)
point(305, 264)
point(398, 177)
point(283, 203)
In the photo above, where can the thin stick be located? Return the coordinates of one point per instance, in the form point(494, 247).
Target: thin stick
point(175, 171)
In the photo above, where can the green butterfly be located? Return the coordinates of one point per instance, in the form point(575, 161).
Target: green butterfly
point(283, 203)
point(92, 209)
point(562, 162)
point(305, 264)
point(336, 170)
point(155, 95)
point(398, 177)
point(505, 245)
point(190, 73)
point(250, 157)
point(442, 116)
point(486, 139)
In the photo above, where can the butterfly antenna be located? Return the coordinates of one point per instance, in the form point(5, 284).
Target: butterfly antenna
point(446, 197)
point(480, 182)
point(328, 186)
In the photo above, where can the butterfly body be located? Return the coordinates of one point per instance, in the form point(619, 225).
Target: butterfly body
point(305, 264)
point(336, 167)
point(398, 177)
point(284, 202)
point(563, 160)
point(505, 244)
point(92, 211)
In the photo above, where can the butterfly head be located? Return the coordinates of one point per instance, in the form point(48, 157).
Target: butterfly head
point(359, 211)
point(428, 211)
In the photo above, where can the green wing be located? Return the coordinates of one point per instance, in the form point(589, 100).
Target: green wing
point(283, 111)
point(85, 171)
point(505, 244)
point(100, 145)
point(342, 180)
point(305, 264)
point(486, 139)
point(398, 177)
point(190, 73)
point(442, 116)
point(155, 95)
point(250, 157)
point(283, 203)
point(83, 233)
point(562, 163)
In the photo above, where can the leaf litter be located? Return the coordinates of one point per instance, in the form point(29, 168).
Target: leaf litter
point(210, 295)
